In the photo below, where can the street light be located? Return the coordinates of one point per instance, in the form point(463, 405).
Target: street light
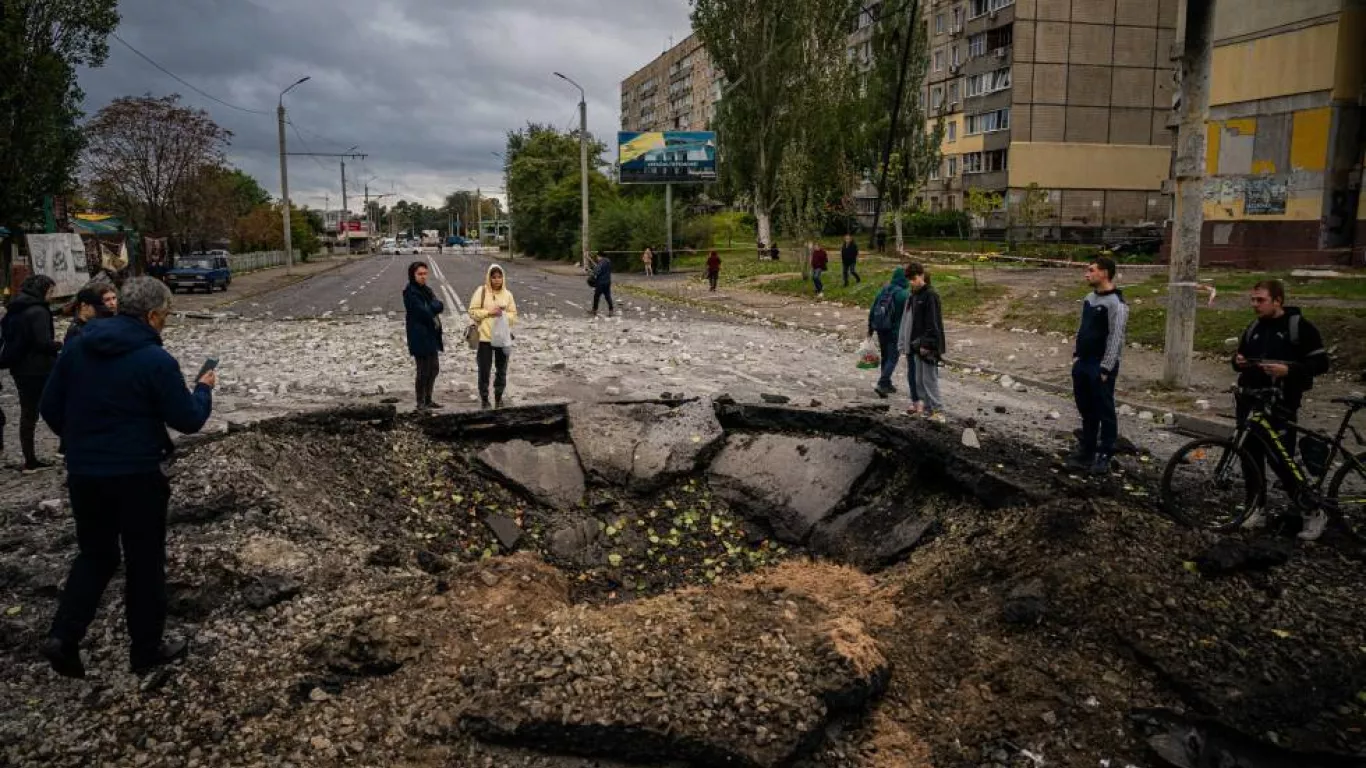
point(507, 191)
point(583, 163)
point(284, 176)
point(478, 211)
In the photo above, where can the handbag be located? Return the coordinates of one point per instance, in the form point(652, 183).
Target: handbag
point(472, 330)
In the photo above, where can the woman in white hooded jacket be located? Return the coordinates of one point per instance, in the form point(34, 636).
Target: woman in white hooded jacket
point(489, 302)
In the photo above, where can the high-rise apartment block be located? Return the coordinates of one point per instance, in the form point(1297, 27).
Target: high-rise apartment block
point(675, 92)
point(1071, 95)
point(1286, 133)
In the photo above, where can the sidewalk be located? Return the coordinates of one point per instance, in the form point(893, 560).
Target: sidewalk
point(263, 281)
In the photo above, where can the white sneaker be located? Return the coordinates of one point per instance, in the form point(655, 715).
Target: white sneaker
point(1314, 523)
point(1255, 520)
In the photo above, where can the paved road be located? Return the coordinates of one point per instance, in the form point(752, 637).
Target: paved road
point(376, 284)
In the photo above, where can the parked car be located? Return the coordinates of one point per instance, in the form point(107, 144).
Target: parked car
point(409, 247)
point(199, 271)
point(389, 246)
point(456, 240)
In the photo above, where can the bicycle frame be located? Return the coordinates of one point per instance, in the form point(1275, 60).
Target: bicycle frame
point(1258, 426)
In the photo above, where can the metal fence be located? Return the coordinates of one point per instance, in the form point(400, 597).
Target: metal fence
point(248, 262)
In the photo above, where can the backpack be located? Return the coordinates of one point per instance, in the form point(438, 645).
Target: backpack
point(10, 351)
point(883, 309)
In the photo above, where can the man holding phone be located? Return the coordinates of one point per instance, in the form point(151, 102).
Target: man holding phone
point(111, 397)
point(1279, 349)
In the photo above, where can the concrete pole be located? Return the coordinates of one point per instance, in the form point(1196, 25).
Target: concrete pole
point(284, 191)
point(583, 175)
point(1189, 174)
point(479, 207)
point(669, 227)
point(343, 166)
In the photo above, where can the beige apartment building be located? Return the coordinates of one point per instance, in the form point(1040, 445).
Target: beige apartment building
point(1071, 95)
point(675, 92)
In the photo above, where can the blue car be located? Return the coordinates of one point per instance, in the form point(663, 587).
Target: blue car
point(455, 240)
point(199, 271)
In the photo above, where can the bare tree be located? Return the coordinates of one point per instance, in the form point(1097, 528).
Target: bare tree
point(147, 159)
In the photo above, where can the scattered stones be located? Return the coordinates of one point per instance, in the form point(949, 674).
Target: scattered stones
point(271, 590)
point(970, 439)
point(1054, 416)
point(869, 537)
point(775, 399)
point(1006, 382)
point(1231, 556)
point(643, 446)
point(1145, 416)
point(430, 562)
point(548, 473)
point(385, 556)
point(1169, 419)
point(574, 543)
point(791, 482)
point(506, 529)
point(1026, 604)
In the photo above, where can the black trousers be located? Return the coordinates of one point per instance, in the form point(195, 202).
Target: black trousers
point(1095, 401)
point(30, 390)
point(851, 268)
point(127, 510)
point(427, 369)
point(603, 292)
point(488, 357)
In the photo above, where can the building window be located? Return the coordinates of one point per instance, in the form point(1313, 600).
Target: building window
point(939, 60)
point(977, 45)
point(939, 23)
point(986, 122)
point(936, 97)
point(953, 92)
point(953, 167)
point(957, 57)
point(934, 173)
point(952, 130)
point(983, 7)
point(988, 82)
point(991, 161)
point(958, 19)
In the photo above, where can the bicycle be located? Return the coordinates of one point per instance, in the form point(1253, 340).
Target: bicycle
point(1217, 483)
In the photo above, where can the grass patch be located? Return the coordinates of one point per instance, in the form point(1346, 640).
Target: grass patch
point(960, 300)
point(1231, 282)
point(1344, 329)
point(735, 267)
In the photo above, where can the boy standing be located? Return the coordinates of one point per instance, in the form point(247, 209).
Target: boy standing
point(1095, 366)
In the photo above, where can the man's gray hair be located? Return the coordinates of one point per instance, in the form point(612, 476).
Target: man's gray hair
point(143, 295)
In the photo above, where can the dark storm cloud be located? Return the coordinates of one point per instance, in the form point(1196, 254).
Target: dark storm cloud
point(428, 88)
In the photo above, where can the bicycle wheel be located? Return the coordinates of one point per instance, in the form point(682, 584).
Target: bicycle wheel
point(1211, 484)
point(1348, 492)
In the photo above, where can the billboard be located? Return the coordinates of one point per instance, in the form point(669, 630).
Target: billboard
point(657, 157)
point(61, 257)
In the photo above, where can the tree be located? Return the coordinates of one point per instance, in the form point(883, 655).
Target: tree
point(1031, 207)
point(147, 155)
point(915, 147)
point(543, 177)
point(981, 204)
point(781, 59)
point(261, 230)
point(42, 42)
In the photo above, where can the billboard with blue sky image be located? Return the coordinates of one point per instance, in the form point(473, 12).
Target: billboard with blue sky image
point(658, 157)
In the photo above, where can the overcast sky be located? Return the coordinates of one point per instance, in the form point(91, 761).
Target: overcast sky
point(427, 88)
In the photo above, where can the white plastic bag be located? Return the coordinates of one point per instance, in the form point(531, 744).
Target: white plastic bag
point(868, 354)
point(501, 336)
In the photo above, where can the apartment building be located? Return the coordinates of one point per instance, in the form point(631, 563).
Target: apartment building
point(1071, 95)
point(675, 92)
point(1286, 134)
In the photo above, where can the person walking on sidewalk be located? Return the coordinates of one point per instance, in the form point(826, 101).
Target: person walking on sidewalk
point(29, 350)
point(849, 260)
point(1282, 350)
point(921, 340)
point(648, 259)
point(601, 280)
point(713, 270)
point(820, 261)
point(422, 322)
point(884, 319)
point(111, 396)
point(1095, 366)
point(490, 302)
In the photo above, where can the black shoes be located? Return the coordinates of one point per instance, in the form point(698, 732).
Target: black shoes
point(65, 658)
point(35, 466)
point(883, 392)
point(1101, 465)
point(434, 406)
point(167, 652)
point(1080, 460)
point(484, 405)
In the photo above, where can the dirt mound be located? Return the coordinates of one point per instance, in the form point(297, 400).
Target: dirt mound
point(744, 674)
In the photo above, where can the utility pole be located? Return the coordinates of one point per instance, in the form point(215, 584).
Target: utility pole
point(908, 42)
point(343, 175)
point(1189, 173)
point(583, 166)
point(507, 191)
point(284, 178)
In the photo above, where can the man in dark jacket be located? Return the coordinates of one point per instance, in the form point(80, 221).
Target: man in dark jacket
point(884, 319)
point(602, 285)
point(921, 339)
point(1280, 350)
point(30, 351)
point(111, 397)
point(1095, 366)
point(849, 260)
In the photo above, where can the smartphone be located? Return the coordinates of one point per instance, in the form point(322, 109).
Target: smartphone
point(208, 365)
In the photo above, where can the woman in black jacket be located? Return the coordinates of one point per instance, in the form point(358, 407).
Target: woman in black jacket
point(94, 301)
point(423, 325)
point(30, 350)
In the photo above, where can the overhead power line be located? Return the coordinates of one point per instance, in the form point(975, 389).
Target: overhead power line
point(185, 82)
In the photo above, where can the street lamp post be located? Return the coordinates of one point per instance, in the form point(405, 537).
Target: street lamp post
point(507, 191)
point(583, 163)
point(284, 177)
point(479, 214)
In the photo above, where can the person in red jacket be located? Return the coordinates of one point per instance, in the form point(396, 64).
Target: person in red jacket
point(819, 262)
point(713, 269)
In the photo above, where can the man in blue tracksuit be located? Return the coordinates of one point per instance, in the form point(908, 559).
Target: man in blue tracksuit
point(1095, 365)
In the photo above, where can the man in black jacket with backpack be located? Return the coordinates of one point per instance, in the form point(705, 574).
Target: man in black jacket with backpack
point(1280, 350)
